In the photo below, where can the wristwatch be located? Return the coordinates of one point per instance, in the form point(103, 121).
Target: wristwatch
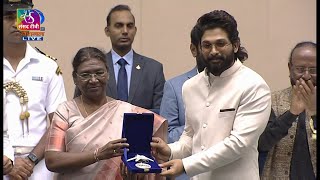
point(33, 158)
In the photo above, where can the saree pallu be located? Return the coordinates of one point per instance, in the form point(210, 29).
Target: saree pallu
point(71, 132)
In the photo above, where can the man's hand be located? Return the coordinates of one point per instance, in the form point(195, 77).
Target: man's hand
point(297, 105)
point(23, 168)
point(307, 93)
point(127, 175)
point(176, 168)
point(7, 165)
point(160, 150)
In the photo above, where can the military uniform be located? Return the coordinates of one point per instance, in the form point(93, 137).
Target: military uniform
point(37, 75)
point(7, 147)
point(33, 90)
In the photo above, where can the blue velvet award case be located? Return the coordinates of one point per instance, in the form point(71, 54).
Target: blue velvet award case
point(138, 129)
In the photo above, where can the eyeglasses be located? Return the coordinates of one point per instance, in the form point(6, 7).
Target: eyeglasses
point(220, 45)
point(88, 76)
point(301, 70)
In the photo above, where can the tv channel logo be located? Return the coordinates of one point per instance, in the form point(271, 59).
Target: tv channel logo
point(29, 19)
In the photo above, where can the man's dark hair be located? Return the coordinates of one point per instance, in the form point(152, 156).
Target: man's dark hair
point(222, 19)
point(194, 35)
point(301, 44)
point(120, 7)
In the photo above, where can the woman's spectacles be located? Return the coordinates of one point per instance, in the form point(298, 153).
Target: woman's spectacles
point(88, 76)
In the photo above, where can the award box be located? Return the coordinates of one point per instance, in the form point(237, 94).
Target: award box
point(138, 129)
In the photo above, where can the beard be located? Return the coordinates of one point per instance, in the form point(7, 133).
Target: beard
point(216, 64)
point(200, 62)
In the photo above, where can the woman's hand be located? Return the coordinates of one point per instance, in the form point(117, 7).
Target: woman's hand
point(112, 149)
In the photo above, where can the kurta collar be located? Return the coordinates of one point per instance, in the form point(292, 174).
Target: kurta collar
point(210, 78)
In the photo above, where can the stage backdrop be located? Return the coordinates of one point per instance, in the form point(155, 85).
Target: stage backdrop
point(268, 29)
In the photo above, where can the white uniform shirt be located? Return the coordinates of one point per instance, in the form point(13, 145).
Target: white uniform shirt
point(45, 90)
point(7, 147)
point(225, 116)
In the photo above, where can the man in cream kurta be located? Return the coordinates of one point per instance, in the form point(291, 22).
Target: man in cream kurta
point(227, 108)
point(224, 120)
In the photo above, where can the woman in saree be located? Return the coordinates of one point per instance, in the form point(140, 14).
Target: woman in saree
point(85, 135)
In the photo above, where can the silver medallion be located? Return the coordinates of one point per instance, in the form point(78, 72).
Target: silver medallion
point(143, 165)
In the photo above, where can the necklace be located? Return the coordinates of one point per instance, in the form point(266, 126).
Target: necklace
point(84, 107)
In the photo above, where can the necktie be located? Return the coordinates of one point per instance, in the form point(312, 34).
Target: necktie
point(122, 86)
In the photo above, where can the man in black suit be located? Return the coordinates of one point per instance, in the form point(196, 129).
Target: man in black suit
point(144, 76)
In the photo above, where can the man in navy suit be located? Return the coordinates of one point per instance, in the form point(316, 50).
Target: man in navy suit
point(172, 107)
point(144, 76)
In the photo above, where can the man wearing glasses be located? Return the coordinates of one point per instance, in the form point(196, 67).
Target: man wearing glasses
point(33, 92)
point(290, 136)
point(227, 107)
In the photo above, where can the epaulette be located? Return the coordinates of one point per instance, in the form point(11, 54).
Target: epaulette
point(53, 58)
point(58, 70)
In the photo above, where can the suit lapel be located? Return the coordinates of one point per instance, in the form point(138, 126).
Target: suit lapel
point(112, 85)
point(136, 75)
point(192, 72)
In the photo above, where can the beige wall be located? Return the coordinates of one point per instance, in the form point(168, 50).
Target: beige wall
point(268, 29)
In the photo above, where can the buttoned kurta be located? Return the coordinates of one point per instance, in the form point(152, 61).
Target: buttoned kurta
point(225, 116)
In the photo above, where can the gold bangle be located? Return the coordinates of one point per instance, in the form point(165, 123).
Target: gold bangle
point(95, 155)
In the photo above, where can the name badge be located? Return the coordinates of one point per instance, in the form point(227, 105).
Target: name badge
point(37, 78)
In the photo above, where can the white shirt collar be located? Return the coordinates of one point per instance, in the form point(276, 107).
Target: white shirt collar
point(30, 55)
point(128, 57)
